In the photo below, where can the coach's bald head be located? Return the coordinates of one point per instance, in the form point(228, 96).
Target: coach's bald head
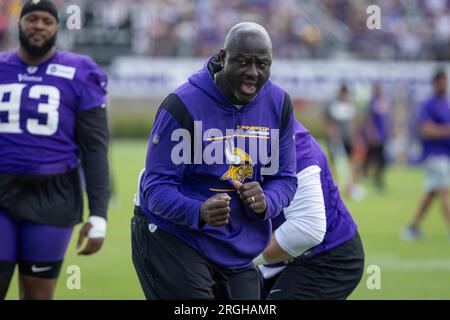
point(248, 34)
point(246, 59)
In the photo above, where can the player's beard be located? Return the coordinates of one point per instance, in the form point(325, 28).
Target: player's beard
point(36, 51)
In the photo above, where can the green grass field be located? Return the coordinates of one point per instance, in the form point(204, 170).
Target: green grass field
point(408, 270)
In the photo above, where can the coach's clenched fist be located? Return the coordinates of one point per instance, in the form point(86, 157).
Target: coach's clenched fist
point(253, 195)
point(216, 210)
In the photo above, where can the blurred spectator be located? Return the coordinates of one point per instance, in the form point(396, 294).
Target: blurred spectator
point(376, 132)
point(340, 118)
point(410, 29)
point(340, 129)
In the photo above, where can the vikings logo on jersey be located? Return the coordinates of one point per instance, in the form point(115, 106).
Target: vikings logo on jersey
point(241, 166)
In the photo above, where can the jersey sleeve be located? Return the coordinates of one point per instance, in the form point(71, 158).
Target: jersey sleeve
point(304, 149)
point(425, 113)
point(305, 224)
point(92, 83)
point(279, 188)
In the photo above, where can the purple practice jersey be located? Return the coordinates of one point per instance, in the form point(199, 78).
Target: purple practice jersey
point(340, 224)
point(38, 106)
point(436, 110)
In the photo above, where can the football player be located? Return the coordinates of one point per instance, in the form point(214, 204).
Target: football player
point(52, 124)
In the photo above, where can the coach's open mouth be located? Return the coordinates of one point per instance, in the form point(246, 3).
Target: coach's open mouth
point(248, 88)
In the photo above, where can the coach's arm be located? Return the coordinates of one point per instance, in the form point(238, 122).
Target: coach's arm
point(163, 177)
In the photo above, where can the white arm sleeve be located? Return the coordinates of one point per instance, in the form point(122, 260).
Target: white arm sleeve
point(305, 224)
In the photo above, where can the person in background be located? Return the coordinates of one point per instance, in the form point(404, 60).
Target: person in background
point(434, 129)
point(376, 134)
point(53, 125)
point(340, 130)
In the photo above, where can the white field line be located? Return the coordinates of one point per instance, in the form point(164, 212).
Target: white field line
point(393, 263)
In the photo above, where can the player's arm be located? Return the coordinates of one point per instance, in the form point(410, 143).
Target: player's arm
point(428, 127)
point(432, 130)
point(305, 224)
point(92, 138)
point(91, 133)
point(164, 174)
point(279, 188)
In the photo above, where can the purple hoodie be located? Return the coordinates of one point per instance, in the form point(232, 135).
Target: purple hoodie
point(171, 194)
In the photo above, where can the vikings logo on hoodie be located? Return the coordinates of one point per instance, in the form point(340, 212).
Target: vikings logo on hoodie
point(241, 165)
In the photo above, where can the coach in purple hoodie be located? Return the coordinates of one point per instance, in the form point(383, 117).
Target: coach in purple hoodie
point(220, 165)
